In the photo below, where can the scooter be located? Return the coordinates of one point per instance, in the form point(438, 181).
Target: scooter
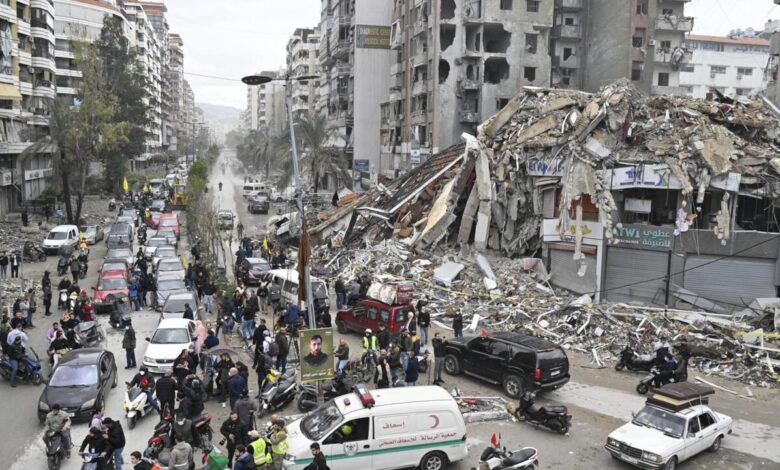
point(63, 264)
point(500, 459)
point(556, 418)
point(55, 450)
point(277, 390)
point(29, 369)
point(82, 269)
point(136, 405)
point(89, 334)
point(91, 461)
point(307, 398)
point(631, 360)
point(680, 375)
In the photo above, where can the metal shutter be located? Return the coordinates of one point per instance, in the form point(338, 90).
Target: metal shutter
point(628, 266)
point(736, 281)
point(563, 272)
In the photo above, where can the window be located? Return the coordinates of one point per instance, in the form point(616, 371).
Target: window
point(501, 102)
point(693, 426)
point(636, 71)
point(568, 21)
point(666, 45)
point(358, 431)
point(706, 420)
point(637, 41)
point(529, 73)
point(483, 345)
point(567, 52)
point(641, 7)
point(358, 311)
point(743, 91)
point(667, 11)
point(688, 68)
point(384, 315)
point(663, 79)
point(532, 6)
point(565, 81)
point(530, 43)
point(372, 314)
point(502, 350)
point(744, 71)
point(506, 4)
point(718, 69)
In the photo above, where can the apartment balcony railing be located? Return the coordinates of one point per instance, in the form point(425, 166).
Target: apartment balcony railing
point(675, 57)
point(467, 84)
point(563, 31)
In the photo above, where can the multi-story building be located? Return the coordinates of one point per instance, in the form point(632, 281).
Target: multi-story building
point(26, 84)
point(155, 12)
point(454, 64)
point(175, 78)
point(303, 60)
point(249, 118)
point(733, 66)
point(596, 42)
point(355, 61)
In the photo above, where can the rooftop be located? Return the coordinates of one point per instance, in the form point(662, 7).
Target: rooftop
point(728, 40)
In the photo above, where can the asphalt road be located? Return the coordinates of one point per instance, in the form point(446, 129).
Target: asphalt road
point(600, 400)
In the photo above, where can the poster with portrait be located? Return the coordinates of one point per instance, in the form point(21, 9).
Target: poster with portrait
point(317, 360)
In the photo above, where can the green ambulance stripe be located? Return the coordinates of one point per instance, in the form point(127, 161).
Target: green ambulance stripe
point(390, 450)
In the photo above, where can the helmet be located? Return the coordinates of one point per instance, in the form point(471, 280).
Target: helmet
point(368, 330)
point(346, 430)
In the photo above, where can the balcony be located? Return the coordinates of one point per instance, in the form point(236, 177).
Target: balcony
point(420, 27)
point(24, 27)
point(673, 57)
point(420, 87)
point(568, 5)
point(342, 49)
point(681, 24)
point(395, 95)
point(573, 62)
point(469, 85)
point(344, 69)
point(419, 59)
point(395, 69)
point(468, 117)
point(563, 31)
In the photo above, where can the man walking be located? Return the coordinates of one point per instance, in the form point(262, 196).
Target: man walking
point(319, 458)
point(116, 441)
point(128, 344)
point(4, 266)
point(166, 391)
point(280, 443)
point(245, 408)
point(439, 343)
point(236, 386)
point(342, 355)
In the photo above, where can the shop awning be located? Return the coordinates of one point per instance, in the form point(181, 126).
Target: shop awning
point(9, 92)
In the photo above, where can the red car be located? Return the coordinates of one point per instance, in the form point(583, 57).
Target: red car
point(170, 222)
point(112, 282)
point(153, 221)
point(369, 313)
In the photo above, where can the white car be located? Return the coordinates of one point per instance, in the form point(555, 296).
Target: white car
point(163, 252)
point(675, 425)
point(171, 337)
point(170, 268)
point(152, 244)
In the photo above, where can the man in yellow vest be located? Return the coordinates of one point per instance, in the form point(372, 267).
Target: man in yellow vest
point(369, 346)
point(259, 451)
point(279, 443)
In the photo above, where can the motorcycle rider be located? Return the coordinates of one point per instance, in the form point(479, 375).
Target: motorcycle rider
point(144, 380)
point(220, 185)
point(666, 371)
point(58, 347)
point(16, 355)
point(94, 443)
point(64, 285)
point(369, 346)
point(57, 421)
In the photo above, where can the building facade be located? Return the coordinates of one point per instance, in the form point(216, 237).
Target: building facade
point(303, 60)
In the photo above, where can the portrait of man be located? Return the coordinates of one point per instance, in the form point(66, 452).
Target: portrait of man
point(316, 356)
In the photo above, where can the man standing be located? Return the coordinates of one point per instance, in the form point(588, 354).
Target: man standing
point(412, 371)
point(423, 321)
point(128, 344)
point(166, 391)
point(235, 434)
point(258, 450)
point(188, 314)
point(383, 338)
point(208, 296)
point(341, 293)
point(280, 443)
point(342, 355)
point(405, 343)
point(136, 459)
point(439, 343)
point(181, 455)
point(319, 459)
point(116, 441)
point(236, 386)
point(284, 350)
point(75, 267)
point(4, 265)
point(245, 408)
point(14, 261)
point(457, 324)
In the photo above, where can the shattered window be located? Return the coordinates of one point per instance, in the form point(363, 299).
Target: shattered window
point(506, 4)
point(529, 73)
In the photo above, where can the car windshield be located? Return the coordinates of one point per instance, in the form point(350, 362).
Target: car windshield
point(66, 376)
point(57, 235)
point(664, 421)
point(170, 265)
point(171, 336)
point(87, 229)
point(119, 253)
point(177, 305)
point(112, 284)
point(317, 423)
point(157, 242)
point(226, 216)
point(260, 266)
point(165, 252)
point(113, 266)
point(170, 284)
point(125, 220)
point(166, 233)
point(168, 223)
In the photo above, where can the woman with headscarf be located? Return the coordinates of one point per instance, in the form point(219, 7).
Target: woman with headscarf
point(183, 365)
point(200, 333)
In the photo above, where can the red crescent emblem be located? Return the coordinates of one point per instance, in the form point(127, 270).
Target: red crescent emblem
point(435, 421)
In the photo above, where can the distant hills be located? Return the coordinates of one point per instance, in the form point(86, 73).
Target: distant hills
point(222, 119)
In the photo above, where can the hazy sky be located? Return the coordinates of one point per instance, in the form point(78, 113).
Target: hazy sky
point(233, 38)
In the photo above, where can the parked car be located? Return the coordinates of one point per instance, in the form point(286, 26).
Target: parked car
point(171, 268)
point(258, 205)
point(79, 383)
point(225, 220)
point(110, 285)
point(170, 221)
point(675, 425)
point(515, 361)
point(174, 304)
point(61, 236)
point(169, 339)
point(256, 269)
point(369, 313)
point(123, 253)
point(158, 205)
point(163, 252)
point(152, 244)
point(165, 287)
point(92, 233)
point(169, 234)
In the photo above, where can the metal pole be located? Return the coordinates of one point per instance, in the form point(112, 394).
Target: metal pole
point(299, 200)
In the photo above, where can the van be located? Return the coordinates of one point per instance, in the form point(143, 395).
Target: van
point(287, 280)
point(251, 186)
point(60, 236)
point(370, 313)
point(381, 429)
point(121, 236)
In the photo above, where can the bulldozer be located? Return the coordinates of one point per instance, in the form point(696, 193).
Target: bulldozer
point(179, 199)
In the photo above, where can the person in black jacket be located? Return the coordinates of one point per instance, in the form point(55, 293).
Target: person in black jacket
point(319, 458)
point(138, 462)
point(383, 337)
point(96, 445)
point(457, 324)
point(166, 391)
point(423, 321)
point(439, 342)
point(235, 434)
point(116, 441)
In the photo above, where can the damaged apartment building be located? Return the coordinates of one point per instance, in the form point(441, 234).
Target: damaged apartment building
point(454, 63)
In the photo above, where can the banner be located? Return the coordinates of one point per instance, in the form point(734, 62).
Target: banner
point(317, 360)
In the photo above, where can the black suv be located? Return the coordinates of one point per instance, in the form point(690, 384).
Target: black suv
point(518, 362)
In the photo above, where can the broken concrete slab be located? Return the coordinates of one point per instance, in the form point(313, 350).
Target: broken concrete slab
point(447, 272)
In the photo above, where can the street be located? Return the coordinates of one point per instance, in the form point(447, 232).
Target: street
point(600, 400)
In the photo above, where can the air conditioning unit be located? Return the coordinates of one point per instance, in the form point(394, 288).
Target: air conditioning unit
point(651, 43)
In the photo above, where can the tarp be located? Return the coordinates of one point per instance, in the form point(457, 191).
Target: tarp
point(9, 92)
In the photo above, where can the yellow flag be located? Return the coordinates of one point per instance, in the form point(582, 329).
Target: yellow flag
point(265, 244)
point(125, 186)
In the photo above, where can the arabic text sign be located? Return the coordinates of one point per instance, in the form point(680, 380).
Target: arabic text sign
point(372, 37)
point(645, 237)
point(541, 167)
point(592, 232)
point(644, 176)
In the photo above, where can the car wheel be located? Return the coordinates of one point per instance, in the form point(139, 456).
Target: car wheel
point(513, 385)
point(619, 366)
point(671, 464)
point(433, 461)
point(452, 364)
point(716, 445)
point(341, 327)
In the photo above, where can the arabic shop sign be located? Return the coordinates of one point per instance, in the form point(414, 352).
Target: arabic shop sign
point(660, 176)
point(372, 37)
point(541, 167)
point(644, 237)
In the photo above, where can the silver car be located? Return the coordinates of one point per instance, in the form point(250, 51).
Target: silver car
point(92, 233)
point(152, 244)
point(165, 287)
point(163, 252)
point(168, 234)
point(170, 268)
point(124, 253)
point(175, 304)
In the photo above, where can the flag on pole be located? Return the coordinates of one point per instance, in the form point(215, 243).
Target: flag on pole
point(494, 440)
point(125, 186)
point(304, 253)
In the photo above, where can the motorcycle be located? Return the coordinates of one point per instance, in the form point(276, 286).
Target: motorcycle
point(277, 390)
point(89, 334)
point(82, 269)
point(29, 369)
point(136, 405)
point(556, 418)
point(307, 398)
point(498, 459)
point(55, 450)
point(32, 253)
point(63, 264)
point(679, 375)
point(91, 461)
point(631, 360)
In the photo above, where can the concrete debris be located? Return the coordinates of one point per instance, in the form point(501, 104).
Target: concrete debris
point(447, 272)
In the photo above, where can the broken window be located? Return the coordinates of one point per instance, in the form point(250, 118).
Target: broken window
point(532, 6)
point(446, 36)
point(497, 39)
point(667, 11)
point(529, 73)
point(447, 9)
point(444, 70)
point(530, 43)
point(666, 45)
point(746, 71)
point(566, 81)
point(501, 102)
point(641, 7)
point(757, 214)
point(636, 71)
point(506, 4)
point(663, 79)
point(717, 69)
point(496, 69)
point(743, 91)
point(647, 206)
point(568, 21)
point(422, 135)
point(470, 72)
point(567, 52)
point(473, 39)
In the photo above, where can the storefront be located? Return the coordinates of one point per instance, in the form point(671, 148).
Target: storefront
point(565, 271)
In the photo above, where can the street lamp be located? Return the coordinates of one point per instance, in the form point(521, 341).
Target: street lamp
point(257, 79)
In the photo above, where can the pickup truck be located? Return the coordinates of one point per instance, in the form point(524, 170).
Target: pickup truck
point(675, 425)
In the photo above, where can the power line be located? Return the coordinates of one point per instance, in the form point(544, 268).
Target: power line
point(211, 76)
